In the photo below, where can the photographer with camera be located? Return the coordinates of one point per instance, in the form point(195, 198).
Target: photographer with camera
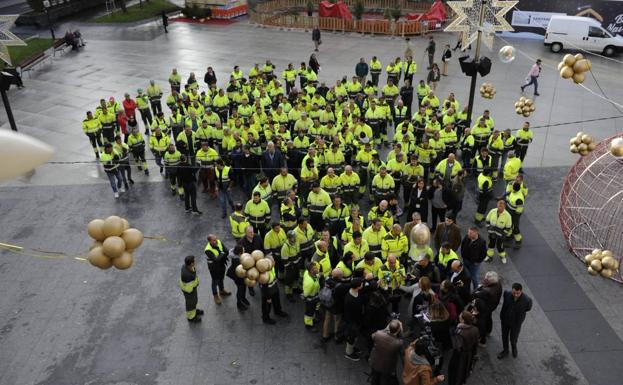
point(387, 346)
point(417, 364)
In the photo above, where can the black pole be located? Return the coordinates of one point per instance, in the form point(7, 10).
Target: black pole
point(472, 94)
point(47, 13)
point(7, 106)
point(476, 62)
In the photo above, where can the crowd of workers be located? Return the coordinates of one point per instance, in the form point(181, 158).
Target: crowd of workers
point(308, 162)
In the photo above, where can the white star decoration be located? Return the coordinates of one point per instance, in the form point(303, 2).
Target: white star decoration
point(7, 38)
point(468, 17)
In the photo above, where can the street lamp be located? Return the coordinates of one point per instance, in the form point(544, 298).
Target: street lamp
point(46, 6)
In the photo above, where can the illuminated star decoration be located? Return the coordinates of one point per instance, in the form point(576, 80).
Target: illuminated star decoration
point(7, 38)
point(468, 18)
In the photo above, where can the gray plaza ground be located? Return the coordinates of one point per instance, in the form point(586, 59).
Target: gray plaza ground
point(65, 322)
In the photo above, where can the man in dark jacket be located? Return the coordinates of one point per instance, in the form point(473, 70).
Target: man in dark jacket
point(425, 268)
point(352, 318)
point(316, 37)
point(186, 173)
point(249, 243)
point(272, 161)
point(216, 254)
point(473, 252)
point(516, 305)
point(489, 293)
point(406, 94)
point(385, 353)
point(461, 280)
point(449, 232)
point(188, 284)
point(361, 70)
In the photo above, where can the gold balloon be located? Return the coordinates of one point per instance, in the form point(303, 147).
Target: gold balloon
point(616, 265)
point(263, 278)
point(420, 235)
point(240, 271)
point(591, 271)
point(592, 146)
point(518, 110)
point(587, 139)
point(607, 253)
point(250, 282)
point(566, 72)
point(577, 140)
point(526, 113)
point(606, 273)
point(579, 134)
point(95, 244)
point(113, 247)
point(126, 224)
point(257, 255)
point(124, 261)
point(616, 147)
point(596, 265)
point(597, 253)
point(569, 60)
point(561, 65)
point(98, 259)
point(252, 273)
point(574, 149)
point(113, 225)
point(133, 238)
point(247, 261)
point(517, 105)
point(263, 265)
point(95, 228)
point(581, 66)
point(579, 56)
point(578, 78)
point(523, 99)
point(588, 258)
point(608, 262)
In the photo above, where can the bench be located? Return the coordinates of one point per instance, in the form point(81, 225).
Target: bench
point(30, 63)
point(60, 45)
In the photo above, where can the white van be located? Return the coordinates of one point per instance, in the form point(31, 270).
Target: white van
point(574, 32)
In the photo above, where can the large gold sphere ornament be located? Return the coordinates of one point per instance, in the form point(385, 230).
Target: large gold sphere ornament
point(568, 60)
point(247, 261)
point(263, 265)
point(95, 244)
point(574, 67)
point(524, 106)
point(566, 72)
point(250, 282)
point(253, 274)
point(487, 90)
point(420, 235)
point(124, 261)
point(113, 247)
point(588, 258)
point(608, 262)
point(578, 78)
point(606, 273)
point(506, 54)
point(97, 258)
point(95, 228)
point(133, 238)
point(126, 224)
point(240, 271)
point(257, 255)
point(616, 147)
point(113, 226)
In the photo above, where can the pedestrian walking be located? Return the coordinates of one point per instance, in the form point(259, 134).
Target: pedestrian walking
point(516, 305)
point(445, 58)
point(188, 283)
point(430, 49)
point(433, 77)
point(316, 38)
point(532, 78)
point(165, 21)
point(110, 160)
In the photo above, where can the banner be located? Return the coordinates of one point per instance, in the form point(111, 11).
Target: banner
point(532, 19)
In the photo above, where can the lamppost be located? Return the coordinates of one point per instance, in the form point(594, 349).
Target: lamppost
point(46, 7)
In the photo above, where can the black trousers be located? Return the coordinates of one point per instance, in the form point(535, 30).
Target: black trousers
point(272, 294)
point(190, 196)
point(156, 106)
point(510, 333)
point(218, 276)
point(96, 139)
point(438, 214)
point(521, 152)
point(241, 292)
point(497, 242)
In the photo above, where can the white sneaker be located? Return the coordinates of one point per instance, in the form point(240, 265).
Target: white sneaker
point(504, 260)
point(121, 189)
point(488, 259)
point(116, 195)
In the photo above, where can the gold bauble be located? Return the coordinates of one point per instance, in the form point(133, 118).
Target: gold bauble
point(113, 247)
point(606, 273)
point(587, 139)
point(526, 108)
point(532, 108)
point(529, 102)
point(616, 147)
point(596, 264)
point(581, 66)
point(518, 110)
point(113, 226)
point(578, 56)
point(579, 134)
point(597, 251)
point(95, 228)
point(240, 271)
point(95, 244)
point(124, 261)
point(561, 65)
point(569, 60)
point(250, 282)
point(584, 152)
point(526, 113)
point(592, 146)
point(591, 271)
point(588, 258)
point(98, 259)
point(607, 253)
point(257, 255)
point(517, 105)
point(578, 78)
point(616, 265)
point(566, 72)
point(420, 235)
point(263, 278)
point(608, 262)
point(574, 149)
point(247, 261)
point(263, 265)
point(133, 238)
point(252, 273)
point(126, 224)
point(583, 147)
point(577, 140)
point(522, 99)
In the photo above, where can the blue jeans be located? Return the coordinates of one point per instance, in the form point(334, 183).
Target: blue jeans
point(474, 270)
point(114, 176)
point(533, 80)
point(224, 198)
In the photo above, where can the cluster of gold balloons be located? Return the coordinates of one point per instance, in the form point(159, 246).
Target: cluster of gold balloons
point(616, 147)
point(114, 242)
point(254, 268)
point(601, 262)
point(582, 144)
point(524, 106)
point(573, 67)
point(487, 90)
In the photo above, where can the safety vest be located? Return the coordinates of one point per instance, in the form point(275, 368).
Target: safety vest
point(482, 178)
point(282, 184)
point(425, 155)
point(383, 185)
point(110, 161)
point(372, 269)
point(444, 259)
point(346, 270)
point(375, 67)
point(172, 159)
point(359, 251)
point(136, 142)
point(290, 253)
point(441, 168)
point(480, 165)
point(154, 93)
point(222, 176)
point(511, 169)
point(175, 80)
point(331, 184)
point(238, 223)
point(335, 215)
point(159, 144)
point(305, 239)
point(524, 137)
point(499, 224)
point(206, 159)
point(273, 242)
point(317, 202)
point(311, 286)
point(90, 126)
point(188, 281)
point(391, 279)
point(350, 183)
point(512, 202)
point(257, 213)
point(375, 239)
point(386, 217)
point(396, 245)
point(496, 146)
point(214, 250)
point(288, 217)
